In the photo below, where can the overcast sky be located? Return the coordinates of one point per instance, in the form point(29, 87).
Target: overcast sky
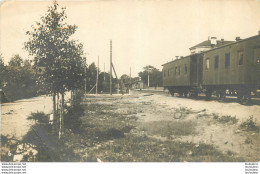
point(143, 32)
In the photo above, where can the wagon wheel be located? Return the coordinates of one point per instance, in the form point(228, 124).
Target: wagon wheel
point(181, 94)
point(194, 95)
point(245, 99)
point(188, 94)
point(208, 94)
point(221, 96)
point(185, 94)
point(171, 92)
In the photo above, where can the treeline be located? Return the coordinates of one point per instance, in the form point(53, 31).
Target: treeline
point(18, 79)
point(21, 79)
point(155, 76)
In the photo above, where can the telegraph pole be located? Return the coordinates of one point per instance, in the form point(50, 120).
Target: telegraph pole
point(148, 77)
point(104, 72)
point(130, 74)
point(110, 67)
point(97, 77)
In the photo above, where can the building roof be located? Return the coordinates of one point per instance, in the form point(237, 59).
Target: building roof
point(207, 43)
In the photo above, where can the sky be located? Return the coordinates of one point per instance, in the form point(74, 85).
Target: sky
point(143, 32)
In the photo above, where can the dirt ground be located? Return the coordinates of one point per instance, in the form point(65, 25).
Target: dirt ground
point(158, 127)
point(163, 117)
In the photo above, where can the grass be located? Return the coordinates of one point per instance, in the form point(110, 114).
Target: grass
point(248, 140)
point(225, 119)
point(106, 133)
point(102, 124)
point(135, 148)
point(250, 125)
point(169, 128)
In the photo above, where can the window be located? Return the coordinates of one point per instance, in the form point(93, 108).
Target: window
point(176, 70)
point(227, 60)
point(186, 69)
point(240, 57)
point(207, 64)
point(168, 72)
point(179, 70)
point(216, 62)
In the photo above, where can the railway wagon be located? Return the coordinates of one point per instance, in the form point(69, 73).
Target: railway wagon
point(182, 75)
point(232, 69)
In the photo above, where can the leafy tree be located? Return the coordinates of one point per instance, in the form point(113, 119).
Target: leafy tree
point(155, 76)
point(62, 58)
point(2, 69)
point(104, 81)
point(125, 79)
point(16, 61)
point(18, 78)
point(91, 75)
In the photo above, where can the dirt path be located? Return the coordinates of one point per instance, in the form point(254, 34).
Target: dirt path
point(115, 128)
point(197, 121)
point(14, 115)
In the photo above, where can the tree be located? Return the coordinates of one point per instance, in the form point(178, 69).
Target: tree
point(103, 82)
point(155, 76)
point(62, 58)
point(125, 79)
point(91, 75)
point(16, 61)
point(18, 78)
point(2, 69)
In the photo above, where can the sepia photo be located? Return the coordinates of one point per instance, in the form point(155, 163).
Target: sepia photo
point(130, 81)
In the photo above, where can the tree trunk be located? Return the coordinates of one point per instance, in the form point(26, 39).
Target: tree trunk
point(71, 98)
point(59, 114)
point(54, 111)
point(62, 113)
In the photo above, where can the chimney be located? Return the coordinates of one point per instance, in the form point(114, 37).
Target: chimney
point(238, 38)
point(259, 32)
point(176, 57)
point(222, 41)
point(213, 40)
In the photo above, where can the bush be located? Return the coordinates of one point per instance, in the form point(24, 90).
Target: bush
point(249, 124)
point(72, 118)
point(226, 119)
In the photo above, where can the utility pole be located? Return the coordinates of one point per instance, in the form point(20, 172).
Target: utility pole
point(85, 62)
point(110, 67)
point(97, 77)
point(130, 75)
point(104, 72)
point(148, 77)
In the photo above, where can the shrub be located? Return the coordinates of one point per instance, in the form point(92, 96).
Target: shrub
point(249, 124)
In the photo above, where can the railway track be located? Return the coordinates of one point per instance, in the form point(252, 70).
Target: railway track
point(228, 99)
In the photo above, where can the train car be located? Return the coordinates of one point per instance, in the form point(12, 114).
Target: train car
point(232, 69)
point(182, 75)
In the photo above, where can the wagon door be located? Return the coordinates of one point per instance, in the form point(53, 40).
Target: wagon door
point(257, 64)
point(193, 71)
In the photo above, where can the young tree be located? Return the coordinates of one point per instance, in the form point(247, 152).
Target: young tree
point(62, 58)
